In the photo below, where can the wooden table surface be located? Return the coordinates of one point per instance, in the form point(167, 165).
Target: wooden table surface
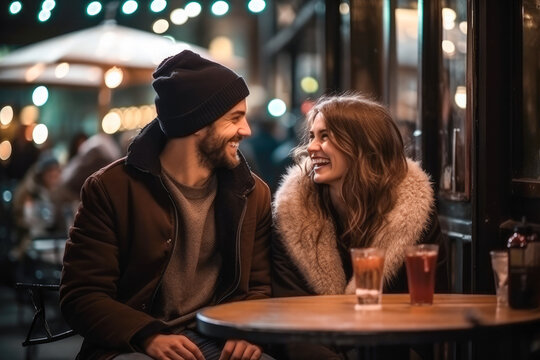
point(333, 319)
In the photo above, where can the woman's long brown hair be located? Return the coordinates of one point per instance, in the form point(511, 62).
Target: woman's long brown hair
point(364, 131)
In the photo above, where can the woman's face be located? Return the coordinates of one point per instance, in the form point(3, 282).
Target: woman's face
point(329, 163)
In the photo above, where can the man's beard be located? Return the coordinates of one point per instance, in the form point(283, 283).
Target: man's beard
point(212, 151)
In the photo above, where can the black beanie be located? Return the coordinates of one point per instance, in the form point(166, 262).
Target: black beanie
point(193, 92)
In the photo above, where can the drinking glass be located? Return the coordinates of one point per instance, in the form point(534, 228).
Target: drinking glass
point(368, 265)
point(421, 262)
point(499, 263)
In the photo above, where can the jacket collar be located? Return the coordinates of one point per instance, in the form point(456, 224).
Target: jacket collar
point(299, 225)
point(144, 150)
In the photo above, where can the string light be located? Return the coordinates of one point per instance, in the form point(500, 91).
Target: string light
point(94, 8)
point(193, 9)
point(220, 8)
point(130, 7)
point(15, 7)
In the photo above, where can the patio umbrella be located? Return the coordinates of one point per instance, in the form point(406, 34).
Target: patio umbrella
point(82, 58)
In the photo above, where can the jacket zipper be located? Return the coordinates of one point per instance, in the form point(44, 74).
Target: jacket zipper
point(238, 256)
point(151, 305)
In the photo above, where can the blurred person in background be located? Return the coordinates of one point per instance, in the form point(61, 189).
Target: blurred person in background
point(180, 223)
point(93, 153)
point(351, 187)
point(24, 154)
point(75, 143)
point(35, 213)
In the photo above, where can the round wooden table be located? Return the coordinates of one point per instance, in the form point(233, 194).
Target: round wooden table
point(333, 320)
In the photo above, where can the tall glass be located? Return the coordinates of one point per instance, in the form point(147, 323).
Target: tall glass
point(421, 262)
point(368, 265)
point(499, 263)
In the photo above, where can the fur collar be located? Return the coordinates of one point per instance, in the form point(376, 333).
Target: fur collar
point(320, 263)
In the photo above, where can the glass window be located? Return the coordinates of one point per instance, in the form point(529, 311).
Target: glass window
point(455, 122)
point(403, 94)
point(529, 168)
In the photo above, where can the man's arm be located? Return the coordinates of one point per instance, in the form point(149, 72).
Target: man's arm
point(90, 275)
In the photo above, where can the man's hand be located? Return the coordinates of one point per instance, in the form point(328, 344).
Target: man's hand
point(172, 347)
point(240, 350)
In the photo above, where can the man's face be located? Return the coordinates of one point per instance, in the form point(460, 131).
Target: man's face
point(218, 146)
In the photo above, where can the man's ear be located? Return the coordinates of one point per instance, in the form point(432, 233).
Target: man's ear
point(201, 132)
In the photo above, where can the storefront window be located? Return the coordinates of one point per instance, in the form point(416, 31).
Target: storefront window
point(455, 118)
point(529, 166)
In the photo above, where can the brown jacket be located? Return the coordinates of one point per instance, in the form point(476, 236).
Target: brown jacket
point(121, 242)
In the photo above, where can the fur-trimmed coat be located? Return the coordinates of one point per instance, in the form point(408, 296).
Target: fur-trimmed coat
point(303, 265)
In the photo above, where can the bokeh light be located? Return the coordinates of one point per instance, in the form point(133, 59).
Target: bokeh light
point(48, 5)
point(61, 70)
point(344, 8)
point(40, 95)
point(40, 134)
point(6, 115)
point(309, 84)
point(158, 5)
point(44, 15)
point(129, 7)
point(111, 123)
point(5, 150)
point(256, 6)
point(220, 8)
point(193, 9)
point(460, 97)
point(448, 47)
point(29, 115)
point(15, 7)
point(114, 77)
point(277, 107)
point(179, 16)
point(160, 26)
point(94, 8)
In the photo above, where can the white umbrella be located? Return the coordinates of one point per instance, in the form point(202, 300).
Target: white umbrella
point(81, 58)
point(105, 45)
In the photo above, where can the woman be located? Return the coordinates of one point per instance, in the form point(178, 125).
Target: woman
point(352, 186)
point(36, 214)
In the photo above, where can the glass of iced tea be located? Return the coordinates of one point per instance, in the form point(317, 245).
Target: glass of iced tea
point(421, 261)
point(368, 265)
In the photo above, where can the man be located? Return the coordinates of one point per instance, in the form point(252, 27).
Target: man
point(179, 224)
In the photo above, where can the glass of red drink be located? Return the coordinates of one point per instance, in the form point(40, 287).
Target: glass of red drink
point(421, 261)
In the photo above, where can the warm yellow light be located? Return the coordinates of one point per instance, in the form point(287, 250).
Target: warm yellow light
point(463, 27)
point(61, 70)
point(344, 8)
point(111, 123)
point(160, 26)
point(179, 16)
point(448, 18)
point(6, 115)
point(40, 134)
point(114, 77)
point(221, 48)
point(29, 115)
point(34, 72)
point(5, 150)
point(461, 97)
point(148, 114)
point(309, 84)
point(448, 47)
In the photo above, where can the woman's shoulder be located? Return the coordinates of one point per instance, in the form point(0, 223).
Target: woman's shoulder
point(292, 185)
